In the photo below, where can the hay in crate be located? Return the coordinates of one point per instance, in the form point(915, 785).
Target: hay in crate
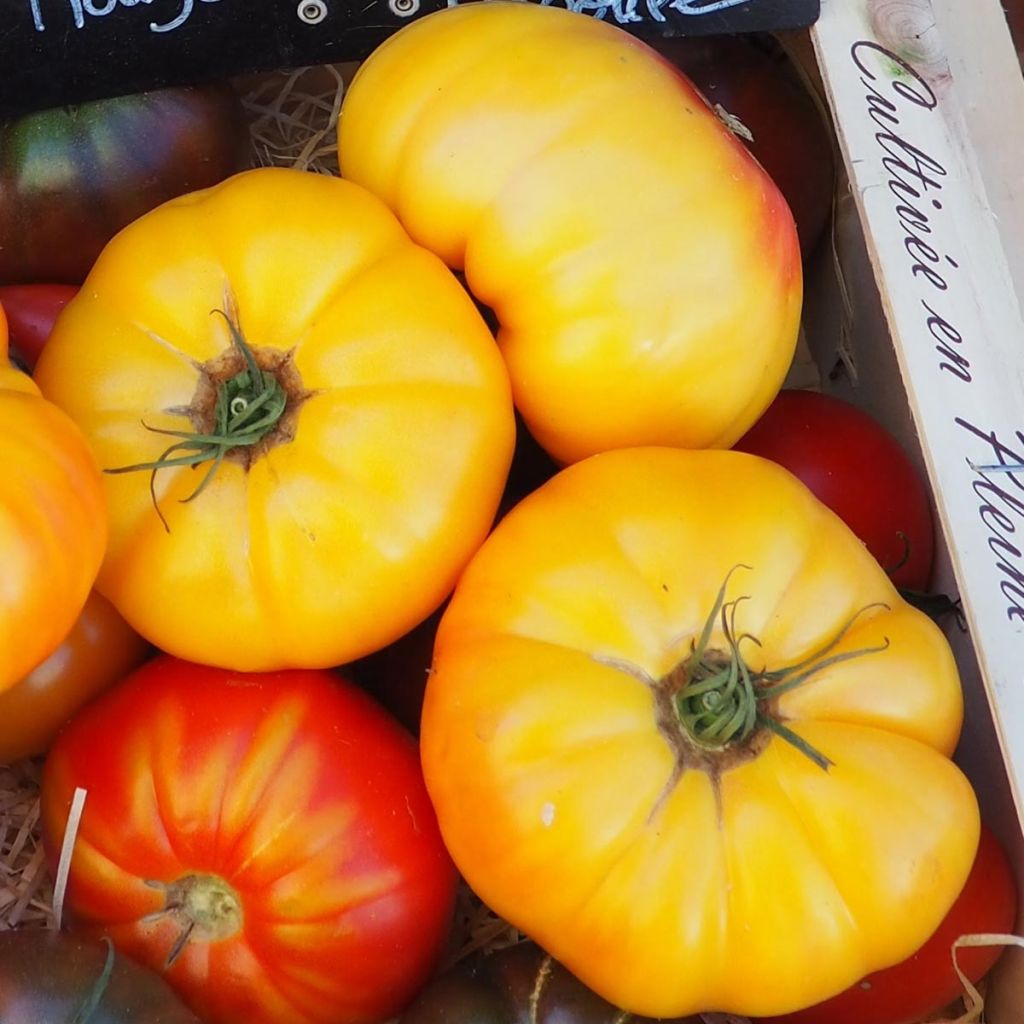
point(26, 893)
point(293, 115)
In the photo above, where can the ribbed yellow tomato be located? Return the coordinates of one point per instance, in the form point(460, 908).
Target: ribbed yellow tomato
point(683, 732)
point(350, 479)
point(52, 522)
point(644, 269)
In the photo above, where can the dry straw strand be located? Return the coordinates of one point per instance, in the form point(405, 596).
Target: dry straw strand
point(293, 118)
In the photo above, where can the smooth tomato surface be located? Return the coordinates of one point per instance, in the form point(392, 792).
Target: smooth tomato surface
point(927, 982)
point(644, 268)
point(857, 468)
point(100, 649)
point(31, 311)
point(582, 741)
point(348, 519)
point(271, 834)
point(53, 527)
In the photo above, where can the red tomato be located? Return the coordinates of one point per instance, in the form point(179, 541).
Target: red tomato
point(927, 981)
point(31, 311)
point(100, 649)
point(265, 841)
point(858, 470)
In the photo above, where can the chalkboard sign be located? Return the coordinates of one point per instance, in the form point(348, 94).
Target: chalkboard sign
point(55, 52)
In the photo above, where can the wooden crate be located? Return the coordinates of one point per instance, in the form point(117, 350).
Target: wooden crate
point(924, 315)
point(917, 300)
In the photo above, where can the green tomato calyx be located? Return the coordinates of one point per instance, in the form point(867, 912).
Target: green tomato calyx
point(719, 700)
point(239, 411)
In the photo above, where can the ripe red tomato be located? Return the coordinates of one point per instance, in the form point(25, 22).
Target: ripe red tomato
point(927, 982)
point(31, 310)
point(265, 841)
point(100, 649)
point(858, 469)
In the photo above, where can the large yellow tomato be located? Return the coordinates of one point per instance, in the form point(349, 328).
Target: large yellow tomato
point(341, 488)
point(683, 732)
point(644, 269)
point(52, 522)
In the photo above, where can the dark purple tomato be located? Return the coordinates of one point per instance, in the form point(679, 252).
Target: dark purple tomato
point(396, 675)
point(49, 977)
point(72, 177)
point(791, 140)
point(1015, 18)
point(520, 984)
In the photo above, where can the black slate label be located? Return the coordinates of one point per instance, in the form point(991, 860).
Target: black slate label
point(56, 52)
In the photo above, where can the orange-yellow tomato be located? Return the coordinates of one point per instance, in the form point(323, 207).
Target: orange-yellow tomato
point(683, 732)
point(100, 649)
point(644, 268)
point(52, 522)
point(352, 477)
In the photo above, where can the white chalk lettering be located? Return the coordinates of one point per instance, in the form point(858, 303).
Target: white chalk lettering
point(83, 10)
point(628, 11)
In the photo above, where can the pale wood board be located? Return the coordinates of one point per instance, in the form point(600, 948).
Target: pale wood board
point(976, 298)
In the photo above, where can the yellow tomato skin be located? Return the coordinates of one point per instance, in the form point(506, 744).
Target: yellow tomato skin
point(100, 649)
point(52, 522)
point(644, 269)
point(560, 790)
point(333, 542)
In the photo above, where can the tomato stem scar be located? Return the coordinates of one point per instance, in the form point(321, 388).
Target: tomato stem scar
point(206, 907)
point(247, 407)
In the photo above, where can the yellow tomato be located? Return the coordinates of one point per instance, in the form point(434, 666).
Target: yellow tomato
point(683, 732)
point(52, 522)
point(349, 480)
point(644, 269)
